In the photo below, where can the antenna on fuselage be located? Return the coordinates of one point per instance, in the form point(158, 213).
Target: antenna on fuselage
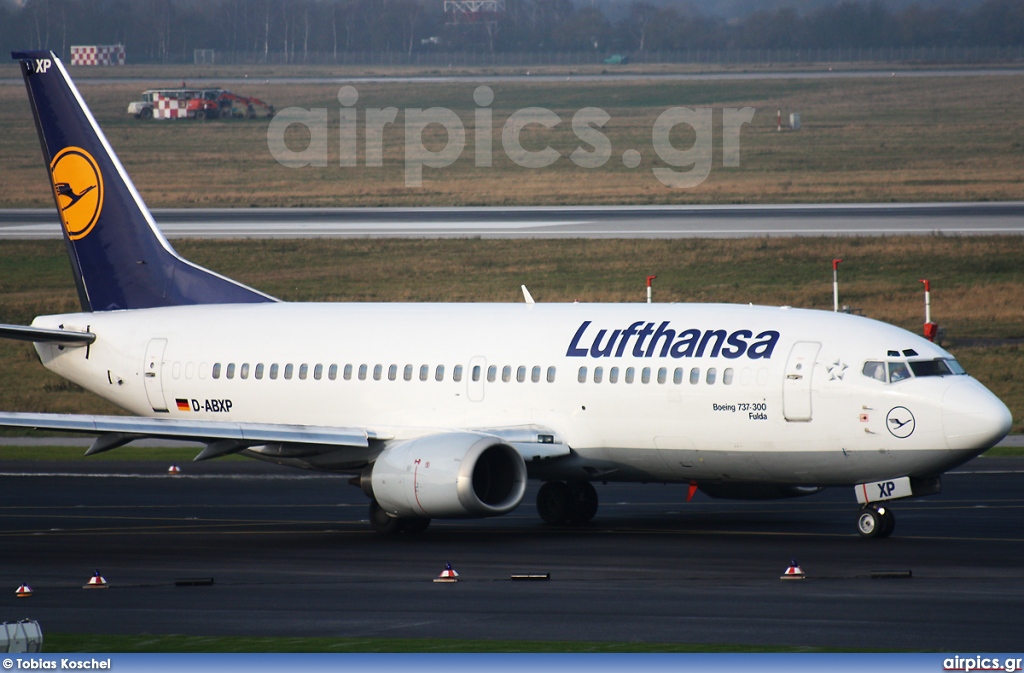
point(527, 297)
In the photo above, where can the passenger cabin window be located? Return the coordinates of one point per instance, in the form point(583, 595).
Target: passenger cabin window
point(727, 376)
point(318, 372)
point(677, 376)
point(613, 375)
point(535, 375)
point(243, 372)
point(598, 374)
point(362, 372)
point(392, 372)
point(332, 373)
point(630, 372)
point(521, 374)
point(407, 373)
point(645, 375)
point(476, 372)
point(289, 369)
point(551, 374)
point(216, 370)
point(662, 375)
point(347, 373)
point(303, 371)
point(273, 371)
point(712, 374)
point(259, 371)
point(582, 376)
point(695, 376)
point(439, 373)
point(506, 373)
point(457, 373)
point(231, 370)
point(378, 370)
point(425, 372)
point(492, 373)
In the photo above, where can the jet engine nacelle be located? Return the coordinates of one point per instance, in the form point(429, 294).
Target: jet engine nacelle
point(449, 476)
point(755, 491)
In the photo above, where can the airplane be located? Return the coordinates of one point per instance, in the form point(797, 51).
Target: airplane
point(441, 410)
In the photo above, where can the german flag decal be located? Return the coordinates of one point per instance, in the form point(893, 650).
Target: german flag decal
point(183, 405)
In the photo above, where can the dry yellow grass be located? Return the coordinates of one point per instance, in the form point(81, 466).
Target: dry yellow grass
point(884, 139)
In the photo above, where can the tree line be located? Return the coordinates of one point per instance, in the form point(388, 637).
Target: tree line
point(305, 30)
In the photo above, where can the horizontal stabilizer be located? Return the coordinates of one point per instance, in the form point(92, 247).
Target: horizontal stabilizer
point(40, 335)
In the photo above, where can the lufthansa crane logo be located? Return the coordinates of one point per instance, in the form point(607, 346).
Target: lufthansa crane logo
point(78, 186)
point(900, 422)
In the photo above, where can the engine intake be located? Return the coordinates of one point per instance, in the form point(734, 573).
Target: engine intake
point(449, 476)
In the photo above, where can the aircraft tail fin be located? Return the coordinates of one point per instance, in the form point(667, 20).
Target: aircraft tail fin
point(119, 257)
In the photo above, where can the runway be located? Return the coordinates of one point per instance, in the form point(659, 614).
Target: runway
point(952, 219)
point(290, 554)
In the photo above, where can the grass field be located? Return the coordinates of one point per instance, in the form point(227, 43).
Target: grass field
point(978, 286)
point(877, 139)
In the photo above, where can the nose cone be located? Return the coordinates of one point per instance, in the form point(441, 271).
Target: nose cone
point(972, 417)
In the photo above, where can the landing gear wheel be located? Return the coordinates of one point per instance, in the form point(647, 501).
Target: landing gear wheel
point(875, 522)
point(555, 503)
point(584, 501)
point(889, 519)
point(381, 523)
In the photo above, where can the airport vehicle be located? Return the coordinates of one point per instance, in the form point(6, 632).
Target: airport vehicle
point(445, 410)
point(220, 103)
point(195, 103)
point(164, 103)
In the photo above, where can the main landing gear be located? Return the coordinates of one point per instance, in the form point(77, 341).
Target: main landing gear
point(875, 521)
point(381, 523)
point(559, 502)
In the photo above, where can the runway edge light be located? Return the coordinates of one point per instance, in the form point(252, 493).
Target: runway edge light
point(24, 591)
point(793, 572)
point(448, 575)
point(96, 582)
point(174, 469)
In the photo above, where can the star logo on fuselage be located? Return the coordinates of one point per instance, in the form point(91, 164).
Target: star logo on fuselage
point(836, 370)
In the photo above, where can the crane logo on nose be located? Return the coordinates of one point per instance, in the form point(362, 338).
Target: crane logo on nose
point(900, 422)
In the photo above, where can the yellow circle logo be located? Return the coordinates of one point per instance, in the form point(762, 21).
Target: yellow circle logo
point(78, 186)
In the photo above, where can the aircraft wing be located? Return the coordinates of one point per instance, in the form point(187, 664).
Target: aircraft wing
point(225, 437)
point(220, 437)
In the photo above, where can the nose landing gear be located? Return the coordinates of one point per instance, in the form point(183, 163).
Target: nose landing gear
point(875, 521)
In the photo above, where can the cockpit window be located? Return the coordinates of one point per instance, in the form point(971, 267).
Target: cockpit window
point(874, 370)
point(929, 367)
point(936, 367)
point(955, 367)
point(898, 371)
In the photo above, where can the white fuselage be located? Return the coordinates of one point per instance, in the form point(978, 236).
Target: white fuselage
point(778, 395)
